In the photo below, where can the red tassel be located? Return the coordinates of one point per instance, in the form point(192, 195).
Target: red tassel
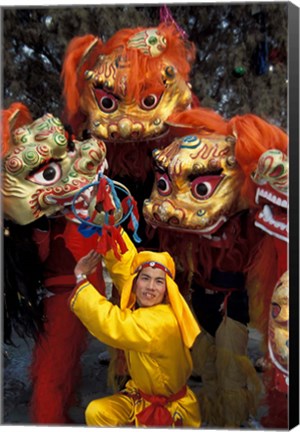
point(93, 216)
point(125, 206)
point(110, 239)
point(135, 210)
point(118, 239)
point(103, 195)
point(111, 220)
point(103, 245)
point(108, 205)
point(100, 196)
point(101, 189)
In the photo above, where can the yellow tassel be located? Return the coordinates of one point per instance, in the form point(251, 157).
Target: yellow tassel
point(117, 370)
point(231, 387)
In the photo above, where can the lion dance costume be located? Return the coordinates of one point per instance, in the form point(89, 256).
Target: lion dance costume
point(124, 90)
point(133, 92)
point(202, 198)
point(43, 169)
point(128, 112)
point(271, 181)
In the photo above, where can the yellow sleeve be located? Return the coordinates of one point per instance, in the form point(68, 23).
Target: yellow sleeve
point(124, 329)
point(119, 270)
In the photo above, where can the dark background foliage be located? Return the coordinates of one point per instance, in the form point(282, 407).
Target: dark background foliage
point(241, 61)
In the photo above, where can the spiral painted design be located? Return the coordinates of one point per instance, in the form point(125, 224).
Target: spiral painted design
point(14, 165)
point(58, 190)
point(190, 142)
point(56, 121)
point(43, 150)
point(190, 138)
point(60, 139)
point(78, 182)
point(23, 135)
point(31, 157)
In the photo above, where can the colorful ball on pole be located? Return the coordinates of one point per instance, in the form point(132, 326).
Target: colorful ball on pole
point(239, 71)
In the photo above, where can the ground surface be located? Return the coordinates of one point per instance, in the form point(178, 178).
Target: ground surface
point(16, 387)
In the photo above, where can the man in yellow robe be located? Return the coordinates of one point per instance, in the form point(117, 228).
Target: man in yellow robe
point(155, 328)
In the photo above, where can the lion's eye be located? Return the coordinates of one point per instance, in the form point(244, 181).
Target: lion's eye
point(204, 186)
point(106, 101)
point(47, 174)
point(275, 310)
point(150, 101)
point(163, 183)
point(108, 104)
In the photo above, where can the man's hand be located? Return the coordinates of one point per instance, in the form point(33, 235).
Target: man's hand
point(87, 264)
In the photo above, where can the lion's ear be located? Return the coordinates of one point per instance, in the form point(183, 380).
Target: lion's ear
point(87, 53)
point(80, 53)
point(17, 115)
point(254, 136)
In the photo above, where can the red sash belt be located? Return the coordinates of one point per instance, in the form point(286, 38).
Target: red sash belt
point(157, 414)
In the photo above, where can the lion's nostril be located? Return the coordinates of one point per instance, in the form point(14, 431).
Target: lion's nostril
point(135, 135)
point(157, 217)
point(114, 136)
point(90, 166)
point(173, 220)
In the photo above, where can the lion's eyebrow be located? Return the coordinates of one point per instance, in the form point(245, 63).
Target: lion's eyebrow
point(160, 169)
point(193, 175)
point(44, 163)
point(100, 86)
point(158, 166)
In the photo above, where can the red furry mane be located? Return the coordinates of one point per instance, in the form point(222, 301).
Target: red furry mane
point(254, 137)
point(72, 75)
point(203, 119)
point(147, 70)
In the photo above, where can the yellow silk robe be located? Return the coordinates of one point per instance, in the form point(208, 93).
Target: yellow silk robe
point(158, 361)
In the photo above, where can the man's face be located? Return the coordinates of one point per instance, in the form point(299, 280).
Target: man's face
point(150, 287)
